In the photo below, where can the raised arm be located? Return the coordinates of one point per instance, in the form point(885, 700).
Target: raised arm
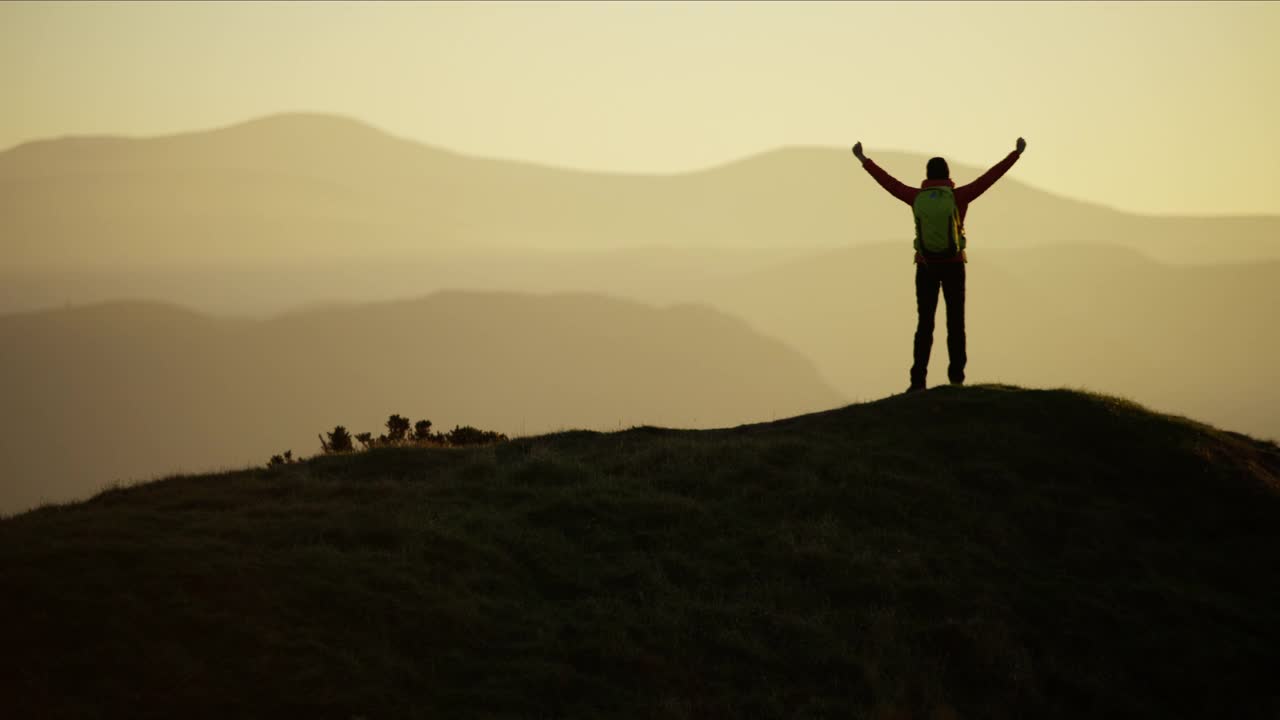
point(902, 191)
point(969, 193)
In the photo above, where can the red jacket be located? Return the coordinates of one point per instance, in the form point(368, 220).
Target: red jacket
point(964, 194)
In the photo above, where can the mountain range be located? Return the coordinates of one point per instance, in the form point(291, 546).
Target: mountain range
point(295, 188)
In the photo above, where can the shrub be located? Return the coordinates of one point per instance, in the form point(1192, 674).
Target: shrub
point(339, 441)
point(397, 429)
point(285, 459)
point(467, 435)
point(422, 431)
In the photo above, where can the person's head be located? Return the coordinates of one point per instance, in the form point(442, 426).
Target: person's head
point(937, 169)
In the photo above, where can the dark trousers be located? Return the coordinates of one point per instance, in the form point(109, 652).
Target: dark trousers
point(950, 276)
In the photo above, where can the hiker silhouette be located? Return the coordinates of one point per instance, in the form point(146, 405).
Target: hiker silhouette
point(939, 208)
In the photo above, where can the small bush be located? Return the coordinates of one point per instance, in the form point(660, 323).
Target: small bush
point(397, 429)
point(422, 431)
point(285, 459)
point(339, 441)
point(467, 435)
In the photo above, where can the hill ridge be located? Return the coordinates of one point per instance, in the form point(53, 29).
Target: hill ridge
point(987, 552)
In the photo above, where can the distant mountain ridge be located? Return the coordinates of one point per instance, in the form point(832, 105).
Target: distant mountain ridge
point(304, 187)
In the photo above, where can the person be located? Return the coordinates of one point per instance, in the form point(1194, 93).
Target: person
point(939, 208)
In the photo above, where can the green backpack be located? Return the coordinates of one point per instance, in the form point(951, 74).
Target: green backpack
point(938, 228)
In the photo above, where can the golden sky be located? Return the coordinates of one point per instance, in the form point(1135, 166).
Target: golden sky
point(1151, 107)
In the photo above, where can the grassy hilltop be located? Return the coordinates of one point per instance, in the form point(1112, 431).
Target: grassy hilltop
point(985, 552)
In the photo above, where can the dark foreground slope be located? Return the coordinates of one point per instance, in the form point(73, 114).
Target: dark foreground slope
point(986, 552)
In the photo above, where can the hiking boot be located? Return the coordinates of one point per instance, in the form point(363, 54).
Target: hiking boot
point(915, 388)
point(957, 382)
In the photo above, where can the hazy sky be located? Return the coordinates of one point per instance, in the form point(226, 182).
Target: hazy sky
point(1153, 107)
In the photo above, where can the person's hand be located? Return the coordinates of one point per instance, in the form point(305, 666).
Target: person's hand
point(1022, 145)
point(857, 151)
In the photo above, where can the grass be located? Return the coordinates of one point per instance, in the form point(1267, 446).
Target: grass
point(985, 552)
